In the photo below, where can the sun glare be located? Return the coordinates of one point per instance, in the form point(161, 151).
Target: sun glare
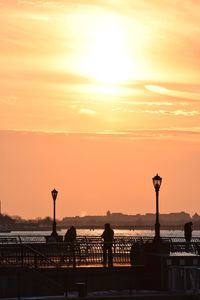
point(108, 49)
point(108, 59)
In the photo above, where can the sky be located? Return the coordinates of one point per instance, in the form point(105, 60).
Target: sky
point(96, 98)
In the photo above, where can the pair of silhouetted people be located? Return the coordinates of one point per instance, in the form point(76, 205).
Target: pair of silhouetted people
point(188, 234)
point(108, 237)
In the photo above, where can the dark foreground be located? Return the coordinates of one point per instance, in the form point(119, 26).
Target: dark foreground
point(143, 269)
point(136, 296)
point(92, 283)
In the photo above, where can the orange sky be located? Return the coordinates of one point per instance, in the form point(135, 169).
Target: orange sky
point(96, 97)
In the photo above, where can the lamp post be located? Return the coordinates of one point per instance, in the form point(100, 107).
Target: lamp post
point(54, 194)
point(157, 180)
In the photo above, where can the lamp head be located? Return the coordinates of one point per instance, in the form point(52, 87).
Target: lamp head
point(157, 180)
point(54, 194)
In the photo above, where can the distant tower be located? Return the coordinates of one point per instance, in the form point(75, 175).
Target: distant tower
point(108, 214)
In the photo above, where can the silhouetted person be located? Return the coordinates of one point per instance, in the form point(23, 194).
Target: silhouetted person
point(188, 233)
point(70, 238)
point(108, 236)
point(70, 235)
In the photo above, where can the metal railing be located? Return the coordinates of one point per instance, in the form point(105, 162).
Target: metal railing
point(35, 252)
point(60, 254)
point(184, 278)
point(35, 238)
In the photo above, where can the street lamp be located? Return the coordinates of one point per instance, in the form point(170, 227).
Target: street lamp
point(157, 180)
point(54, 194)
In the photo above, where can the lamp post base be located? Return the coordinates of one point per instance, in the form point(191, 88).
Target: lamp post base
point(157, 240)
point(54, 233)
point(54, 237)
point(160, 246)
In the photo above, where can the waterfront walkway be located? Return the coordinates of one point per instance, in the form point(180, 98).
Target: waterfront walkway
point(36, 252)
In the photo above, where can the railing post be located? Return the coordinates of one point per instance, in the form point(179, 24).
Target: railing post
point(22, 255)
point(35, 261)
point(19, 284)
point(73, 255)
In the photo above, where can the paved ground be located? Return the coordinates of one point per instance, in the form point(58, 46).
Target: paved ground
point(123, 295)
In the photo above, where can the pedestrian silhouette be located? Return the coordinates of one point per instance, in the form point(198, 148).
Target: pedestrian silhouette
point(70, 235)
point(108, 236)
point(188, 234)
point(70, 239)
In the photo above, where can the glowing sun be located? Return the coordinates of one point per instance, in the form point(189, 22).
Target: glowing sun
point(108, 58)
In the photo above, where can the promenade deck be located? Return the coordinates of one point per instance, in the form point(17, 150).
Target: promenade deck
point(36, 252)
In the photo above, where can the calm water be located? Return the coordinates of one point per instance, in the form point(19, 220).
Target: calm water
point(98, 232)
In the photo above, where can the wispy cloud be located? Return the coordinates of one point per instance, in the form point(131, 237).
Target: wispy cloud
point(172, 112)
point(177, 112)
point(87, 111)
point(173, 132)
point(42, 3)
point(173, 93)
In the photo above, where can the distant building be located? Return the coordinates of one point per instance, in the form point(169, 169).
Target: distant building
point(108, 214)
point(196, 219)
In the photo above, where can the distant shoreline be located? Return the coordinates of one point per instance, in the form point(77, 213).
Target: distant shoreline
point(122, 227)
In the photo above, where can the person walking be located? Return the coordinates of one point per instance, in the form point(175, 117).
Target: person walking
point(70, 239)
point(108, 236)
point(188, 234)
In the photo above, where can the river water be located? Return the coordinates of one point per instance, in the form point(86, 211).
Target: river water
point(98, 232)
